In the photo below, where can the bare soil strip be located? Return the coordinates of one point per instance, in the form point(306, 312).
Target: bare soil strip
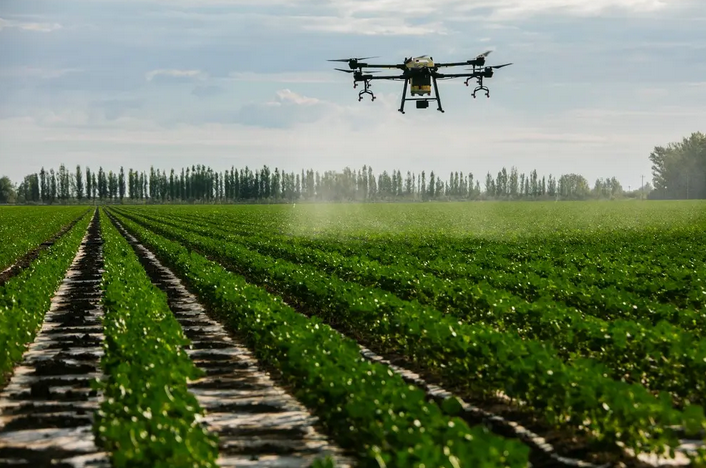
point(46, 411)
point(27, 259)
point(258, 423)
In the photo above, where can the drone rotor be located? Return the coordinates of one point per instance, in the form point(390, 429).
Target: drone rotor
point(357, 71)
point(353, 58)
point(352, 62)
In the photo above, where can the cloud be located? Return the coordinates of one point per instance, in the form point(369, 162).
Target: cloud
point(173, 76)
point(377, 26)
point(287, 109)
point(37, 72)
point(498, 8)
point(29, 26)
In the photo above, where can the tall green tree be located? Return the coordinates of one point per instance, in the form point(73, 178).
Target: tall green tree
point(52, 186)
point(89, 184)
point(679, 169)
point(43, 185)
point(121, 184)
point(7, 190)
point(79, 183)
point(63, 183)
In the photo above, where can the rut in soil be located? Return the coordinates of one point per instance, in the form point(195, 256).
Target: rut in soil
point(46, 410)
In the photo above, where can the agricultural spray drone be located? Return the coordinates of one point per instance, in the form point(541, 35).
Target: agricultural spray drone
point(420, 74)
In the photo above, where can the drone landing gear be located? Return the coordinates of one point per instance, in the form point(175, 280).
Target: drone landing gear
point(438, 98)
point(480, 87)
point(366, 90)
point(425, 100)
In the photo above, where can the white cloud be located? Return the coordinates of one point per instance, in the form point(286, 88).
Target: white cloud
point(37, 72)
point(29, 26)
point(424, 7)
point(286, 96)
point(395, 26)
point(516, 9)
point(286, 109)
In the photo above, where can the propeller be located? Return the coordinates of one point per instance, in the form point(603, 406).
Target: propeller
point(491, 67)
point(484, 54)
point(352, 59)
point(357, 71)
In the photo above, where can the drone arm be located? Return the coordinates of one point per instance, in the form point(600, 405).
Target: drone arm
point(371, 77)
point(453, 64)
point(368, 65)
point(458, 75)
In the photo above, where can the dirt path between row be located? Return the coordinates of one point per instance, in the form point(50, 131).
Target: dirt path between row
point(46, 411)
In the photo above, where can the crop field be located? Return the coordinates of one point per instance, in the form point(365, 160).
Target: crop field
point(508, 334)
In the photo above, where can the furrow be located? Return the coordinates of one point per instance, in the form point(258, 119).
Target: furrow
point(258, 423)
point(46, 411)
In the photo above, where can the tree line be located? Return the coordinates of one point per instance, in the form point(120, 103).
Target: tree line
point(201, 184)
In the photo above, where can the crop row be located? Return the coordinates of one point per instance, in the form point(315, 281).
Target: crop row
point(662, 357)
point(25, 298)
point(627, 275)
point(472, 356)
point(368, 408)
point(23, 228)
point(147, 417)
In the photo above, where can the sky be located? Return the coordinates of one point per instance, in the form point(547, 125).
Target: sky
point(594, 85)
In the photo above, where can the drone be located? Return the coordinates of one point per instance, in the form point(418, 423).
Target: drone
point(419, 73)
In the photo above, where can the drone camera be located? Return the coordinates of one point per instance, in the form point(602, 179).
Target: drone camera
point(422, 104)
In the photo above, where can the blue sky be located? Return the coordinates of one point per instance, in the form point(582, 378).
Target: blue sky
point(594, 86)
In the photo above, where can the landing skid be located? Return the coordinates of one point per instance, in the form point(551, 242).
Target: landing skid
point(480, 87)
point(366, 90)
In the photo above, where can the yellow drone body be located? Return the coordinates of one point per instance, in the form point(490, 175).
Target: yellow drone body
point(420, 85)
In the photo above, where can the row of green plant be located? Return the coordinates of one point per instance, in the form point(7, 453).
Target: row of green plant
point(635, 274)
point(24, 228)
point(148, 417)
point(467, 356)
point(661, 357)
point(365, 406)
point(25, 298)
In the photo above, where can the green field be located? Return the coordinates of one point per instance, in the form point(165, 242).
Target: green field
point(581, 313)
point(584, 321)
point(500, 220)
